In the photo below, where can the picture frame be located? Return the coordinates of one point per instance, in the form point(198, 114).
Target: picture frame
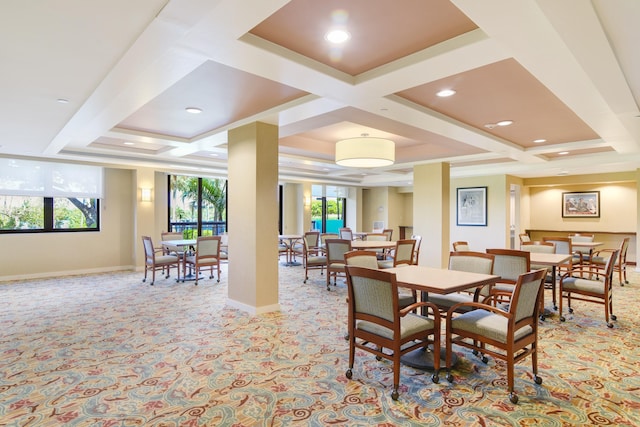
point(471, 203)
point(581, 204)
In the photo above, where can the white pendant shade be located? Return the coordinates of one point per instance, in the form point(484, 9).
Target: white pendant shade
point(364, 152)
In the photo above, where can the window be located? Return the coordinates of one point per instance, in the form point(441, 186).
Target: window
point(29, 214)
point(328, 208)
point(48, 196)
point(197, 206)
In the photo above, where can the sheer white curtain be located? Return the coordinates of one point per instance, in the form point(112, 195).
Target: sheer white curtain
point(20, 177)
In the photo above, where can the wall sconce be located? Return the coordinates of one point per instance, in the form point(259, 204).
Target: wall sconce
point(307, 201)
point(145, 194)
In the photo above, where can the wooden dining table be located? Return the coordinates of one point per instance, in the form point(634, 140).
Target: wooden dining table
point(181, 244)
point(289, 241)
point(372, 244)
point(553, 261)
point(439, 281)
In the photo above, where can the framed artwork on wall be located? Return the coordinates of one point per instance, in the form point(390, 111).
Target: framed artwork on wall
point(581, 204)
point(471, 206)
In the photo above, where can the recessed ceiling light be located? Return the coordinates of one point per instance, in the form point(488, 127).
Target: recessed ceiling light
point(193, 110)
point(563, 173)
point(214, 154)
point(337, 36)
point(563, 153)
point(62, 101)
point(538, 141)
point(446, 92)
point(505, 123)
point(128, 143)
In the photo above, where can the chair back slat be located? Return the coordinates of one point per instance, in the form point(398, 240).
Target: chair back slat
point(365, 259)
point(539, 247)
point(208, 249)
point(471, 262)
point(336, 248)
point(149, 253)
point(509, 264)
point(373, 292)
point(461, 246)
point(404, 252)
point(525, 302)
point(563, 244)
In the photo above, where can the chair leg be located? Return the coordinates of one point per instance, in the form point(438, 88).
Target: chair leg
point(352, 353)
point(396, 373)
point(513, 397)
point(534, 363)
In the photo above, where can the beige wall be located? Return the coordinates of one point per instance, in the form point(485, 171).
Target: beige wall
point(617, 208)
point(47, 254)
point(496, 233)
point(376, 202)
point(618, 213)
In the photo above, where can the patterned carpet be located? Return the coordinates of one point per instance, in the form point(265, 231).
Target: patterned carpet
point(108, 350)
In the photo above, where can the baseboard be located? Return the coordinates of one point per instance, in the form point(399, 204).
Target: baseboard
point(51, 275)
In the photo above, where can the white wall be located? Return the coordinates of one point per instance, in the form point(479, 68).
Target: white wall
point(495, 234)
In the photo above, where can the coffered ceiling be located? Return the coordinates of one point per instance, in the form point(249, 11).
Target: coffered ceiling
point(566, 72)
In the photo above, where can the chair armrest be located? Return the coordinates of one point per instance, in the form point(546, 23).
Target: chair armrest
point(592, 272)
point(479, 305)
point(408, 309)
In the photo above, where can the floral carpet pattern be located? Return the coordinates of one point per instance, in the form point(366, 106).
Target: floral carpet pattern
point(107, 350)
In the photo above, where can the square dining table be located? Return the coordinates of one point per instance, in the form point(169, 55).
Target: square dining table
point(553, 261)
point(439, 281)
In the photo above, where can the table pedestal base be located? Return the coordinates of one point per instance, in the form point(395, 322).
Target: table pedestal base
point(421, 359)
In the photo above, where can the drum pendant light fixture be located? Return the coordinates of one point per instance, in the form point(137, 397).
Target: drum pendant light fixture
point(365, 152)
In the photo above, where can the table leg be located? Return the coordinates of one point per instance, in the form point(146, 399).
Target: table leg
point(421, 358)
point(543, 310)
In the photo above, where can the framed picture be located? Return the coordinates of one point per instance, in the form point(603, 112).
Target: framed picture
point(583, 204)
point(472, 206)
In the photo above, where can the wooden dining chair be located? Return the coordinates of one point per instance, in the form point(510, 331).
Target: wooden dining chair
point(313, 258)
point(524, 238)
point(600, 257)
point(156, 259)
point(416, 250)
point(596, 289)
point(564, 246)
point(207, 256)
point(545, 248)
point(379, 237)
point(335, 250)
point(508, 335)
point(345, 233)
point(461, 246)
point(376, 322)
point(402, 254)
point(368, 259)
point(509, 264)
point(472, 262)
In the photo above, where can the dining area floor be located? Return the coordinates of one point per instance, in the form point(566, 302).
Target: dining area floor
point(107, 350)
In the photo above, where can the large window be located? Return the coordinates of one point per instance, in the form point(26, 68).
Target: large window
point(197, 206)
point(37, 214)
point(49, 197)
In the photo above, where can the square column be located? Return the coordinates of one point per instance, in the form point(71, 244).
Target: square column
point(431, 218)
point(253, 218)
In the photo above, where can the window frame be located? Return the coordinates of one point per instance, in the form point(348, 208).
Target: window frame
point(48, 226)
